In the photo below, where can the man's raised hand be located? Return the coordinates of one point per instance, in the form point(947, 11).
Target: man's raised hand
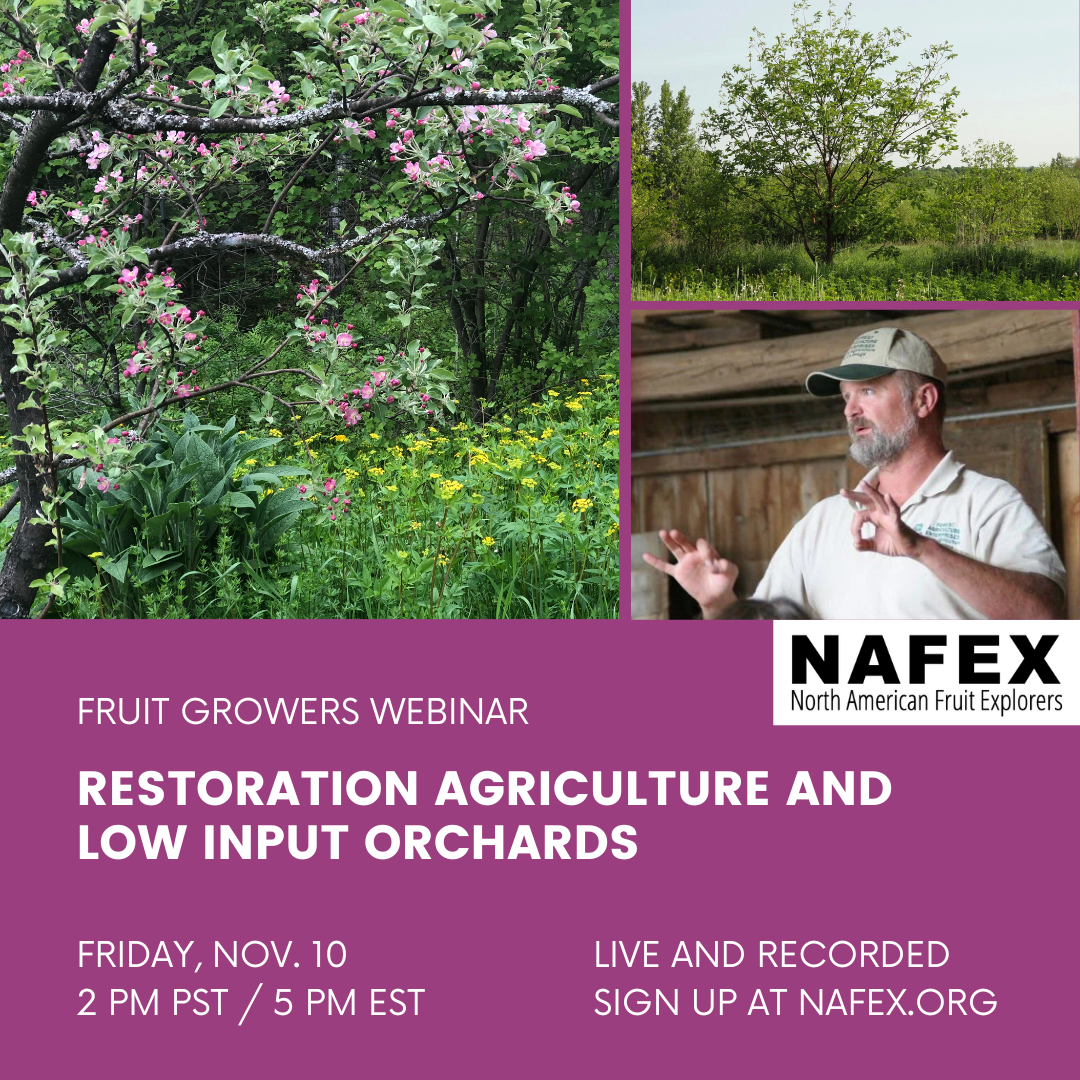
point(891, 535)
point(700, 570)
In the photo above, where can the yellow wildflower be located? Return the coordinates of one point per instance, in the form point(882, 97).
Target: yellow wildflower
point(581, 505)
point(414, 525)
point(391, 487)
point(251, 461)
point(95, 554)
point(373, 435)
point(487, 542)
point(375, 471)
point(528, 482)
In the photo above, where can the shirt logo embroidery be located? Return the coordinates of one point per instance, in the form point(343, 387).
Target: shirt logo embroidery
point(947, 533)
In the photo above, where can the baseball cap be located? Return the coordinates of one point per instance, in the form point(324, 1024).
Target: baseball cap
point(876, 353)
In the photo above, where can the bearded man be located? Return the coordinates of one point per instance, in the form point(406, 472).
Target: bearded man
point(921, 537)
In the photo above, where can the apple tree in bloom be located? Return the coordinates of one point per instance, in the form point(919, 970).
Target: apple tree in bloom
point(102, 129)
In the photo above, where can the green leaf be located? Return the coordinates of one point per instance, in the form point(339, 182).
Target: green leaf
point(201, 75)
point(437, 26)
point(256, 71)
point(116, 568)
point(218, 108)
point(569, 110)
point(217, 47)
point(157, 555)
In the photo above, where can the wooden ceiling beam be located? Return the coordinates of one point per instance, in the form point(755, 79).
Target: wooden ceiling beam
point(965, 339)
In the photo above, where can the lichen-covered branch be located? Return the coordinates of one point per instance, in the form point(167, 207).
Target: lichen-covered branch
point(131, 118)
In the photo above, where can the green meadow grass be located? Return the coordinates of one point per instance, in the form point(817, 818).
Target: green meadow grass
point(1036, 270)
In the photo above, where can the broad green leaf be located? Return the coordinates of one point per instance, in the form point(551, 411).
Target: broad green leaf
point(218, 49)
point(436, 25)
point(117, 567)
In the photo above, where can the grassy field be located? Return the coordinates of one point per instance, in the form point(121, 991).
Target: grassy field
point(1036, 270)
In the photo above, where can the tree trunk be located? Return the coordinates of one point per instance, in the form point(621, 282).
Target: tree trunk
point(27, 557)
point(478, 383)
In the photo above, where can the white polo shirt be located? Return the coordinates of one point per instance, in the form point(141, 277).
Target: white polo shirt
point(819, 567)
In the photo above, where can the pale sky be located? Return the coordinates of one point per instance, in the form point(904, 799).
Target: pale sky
point(1017, 68)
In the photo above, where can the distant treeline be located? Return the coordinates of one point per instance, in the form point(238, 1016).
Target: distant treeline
point(683, 191)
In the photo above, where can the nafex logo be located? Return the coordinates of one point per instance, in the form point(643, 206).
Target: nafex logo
point(971, 659)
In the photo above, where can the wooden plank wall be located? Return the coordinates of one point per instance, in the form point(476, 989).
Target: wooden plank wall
point(747, 509)
point(1065, 453)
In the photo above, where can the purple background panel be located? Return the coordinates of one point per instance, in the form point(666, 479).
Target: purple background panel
point(976, 847)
